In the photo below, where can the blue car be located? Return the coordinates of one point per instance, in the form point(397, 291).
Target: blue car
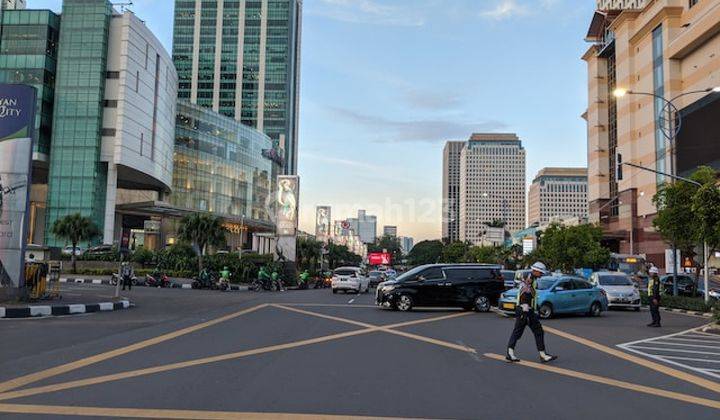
point(561, 295)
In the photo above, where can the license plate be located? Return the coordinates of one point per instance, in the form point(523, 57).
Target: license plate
point(508, 306)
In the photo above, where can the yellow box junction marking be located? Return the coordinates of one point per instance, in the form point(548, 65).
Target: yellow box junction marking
point(614, 382)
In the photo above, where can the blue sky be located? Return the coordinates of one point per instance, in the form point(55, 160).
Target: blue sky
point(386, 82)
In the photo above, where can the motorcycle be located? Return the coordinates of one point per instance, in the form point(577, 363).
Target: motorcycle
point(116, 277)
point(207, 281)
point(270, 285)
point(157, 280)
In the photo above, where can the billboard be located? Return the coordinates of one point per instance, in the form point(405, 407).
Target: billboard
point(286, 203)
point(17, 119)
point(379, 258)
point(322, 223)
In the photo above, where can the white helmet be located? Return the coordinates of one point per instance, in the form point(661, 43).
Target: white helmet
point(654, 270)
point(539, 267)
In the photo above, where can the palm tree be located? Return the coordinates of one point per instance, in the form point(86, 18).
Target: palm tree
point(75, 228)
point(202, 230)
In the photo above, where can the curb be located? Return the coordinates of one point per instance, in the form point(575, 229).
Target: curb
point(37, 311)
point(233, 287)
point(685, 311)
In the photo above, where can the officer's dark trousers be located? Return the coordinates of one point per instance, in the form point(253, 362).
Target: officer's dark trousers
point(655, 312)
point(530, 319)
point(127, 282)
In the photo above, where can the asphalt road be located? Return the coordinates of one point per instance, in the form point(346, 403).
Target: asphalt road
point(208, 354)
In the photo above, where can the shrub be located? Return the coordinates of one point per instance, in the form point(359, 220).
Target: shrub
point(143, 256)
point(696, 304)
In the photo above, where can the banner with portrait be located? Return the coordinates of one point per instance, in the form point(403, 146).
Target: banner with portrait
point(322, 223)
point(17, 121)
point(286, 204)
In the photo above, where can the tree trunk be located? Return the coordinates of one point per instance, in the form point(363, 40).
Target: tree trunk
point(73, 258)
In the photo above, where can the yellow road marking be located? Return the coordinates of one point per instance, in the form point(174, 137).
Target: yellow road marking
point(391, 328)
point(162, 413)
point(613, 382)
point(174, 366)
point(45, 374)
point(678, 374)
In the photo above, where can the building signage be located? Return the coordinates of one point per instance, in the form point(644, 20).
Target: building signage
point(17, 121)
point(322, 223)
point(286, 203)
point(379, 258)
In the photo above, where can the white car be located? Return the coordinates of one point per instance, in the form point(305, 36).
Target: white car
point(350, 279)
point(620, 290)
point(68, 250)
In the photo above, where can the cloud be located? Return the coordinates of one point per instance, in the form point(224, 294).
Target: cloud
point(341, 162)
point(423, 130)
point(506, 9)
point(430, 100)
point(367, 12)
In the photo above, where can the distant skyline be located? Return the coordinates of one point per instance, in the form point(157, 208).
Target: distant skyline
point(386, 82)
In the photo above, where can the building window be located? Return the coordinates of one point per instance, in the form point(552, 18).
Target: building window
point(110, 103)
point(693, 2)
point(108, 132)
point(659, 90)
point(112, 75)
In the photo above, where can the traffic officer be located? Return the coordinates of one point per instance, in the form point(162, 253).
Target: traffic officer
point(654, 297)
point(526, 315)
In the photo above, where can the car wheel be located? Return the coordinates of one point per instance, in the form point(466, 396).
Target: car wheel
point(482, 304)
point(404, 303)
point(595, 309)
point(335, 291)
point(545, 311)
point(637, 309)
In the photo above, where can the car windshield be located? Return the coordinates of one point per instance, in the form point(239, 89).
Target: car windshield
point(546, 283)
point(375, 274)
point(410, 275)
point(614, 281)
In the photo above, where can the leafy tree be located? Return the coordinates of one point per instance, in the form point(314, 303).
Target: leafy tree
point(309, 253)
point(569, 247)
point(201, 230)
point(75, 228)
point(339, 255)
point(425, 252)
point(706, 210)
point(455, 252)
point(497, 223)
point(675, 220)
point(389, 243)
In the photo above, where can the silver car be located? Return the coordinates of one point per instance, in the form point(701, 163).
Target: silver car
point(620, 289)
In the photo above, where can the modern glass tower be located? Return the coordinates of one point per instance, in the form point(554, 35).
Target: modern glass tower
point(242, 59)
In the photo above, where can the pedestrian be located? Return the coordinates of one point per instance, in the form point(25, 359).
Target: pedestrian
point(127, 275)
point(654, 297)
point(526, 315)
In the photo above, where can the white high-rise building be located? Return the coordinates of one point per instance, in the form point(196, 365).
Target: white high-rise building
point(406, 244)
point(492, 184)
point(558, 193)
point(390, 231)
point(364, 226)
point(451, 190)
point(13, 4)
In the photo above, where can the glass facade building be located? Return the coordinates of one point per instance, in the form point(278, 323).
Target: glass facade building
point(77, 178)
point(28, 55)
point(241, 59)
point(219, 166)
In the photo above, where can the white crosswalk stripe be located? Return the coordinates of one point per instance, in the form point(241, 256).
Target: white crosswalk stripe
point(692, 349)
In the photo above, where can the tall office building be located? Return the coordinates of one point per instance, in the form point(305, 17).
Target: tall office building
point(242, 59)
point(492, 184)
point(657, 47)
point(364, 226)
point(451, 191)
point(406, 244)
point(390, 231)
point(13, 4)
point(557, 193)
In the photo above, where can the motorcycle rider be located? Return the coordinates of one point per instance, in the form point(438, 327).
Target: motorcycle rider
point(277, 281)
point(126, 275)
point(264, 277)
point(526, 315)
point(304, 277)
point(225, 277)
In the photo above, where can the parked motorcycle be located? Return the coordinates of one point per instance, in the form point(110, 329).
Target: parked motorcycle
point(116, 277)
point(206, 280)
point(157, 280)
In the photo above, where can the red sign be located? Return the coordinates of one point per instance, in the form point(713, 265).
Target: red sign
point(379, 258)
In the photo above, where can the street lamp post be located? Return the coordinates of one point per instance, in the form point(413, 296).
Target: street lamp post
point(670, 121)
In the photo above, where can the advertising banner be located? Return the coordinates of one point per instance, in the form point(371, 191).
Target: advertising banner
point(322, 223)
point(17, 119)
point(286, 201)
point(379, 258)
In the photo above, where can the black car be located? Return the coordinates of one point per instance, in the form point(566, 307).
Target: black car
point(685, 285)
point(469, 286)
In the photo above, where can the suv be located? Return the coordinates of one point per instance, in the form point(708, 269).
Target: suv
point(469, 286)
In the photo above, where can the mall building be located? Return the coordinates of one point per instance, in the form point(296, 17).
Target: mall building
point(105, 141)
point(641, 48)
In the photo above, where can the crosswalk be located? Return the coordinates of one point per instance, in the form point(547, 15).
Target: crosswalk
point(692, 349)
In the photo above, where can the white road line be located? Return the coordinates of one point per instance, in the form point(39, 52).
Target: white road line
point(694, 340)
point(351, 300)
point(663, 343)
point(663, 359)
point(712, 370)
point(693, 330)
point(669, 350)
point(706, 334)
point(692, 359)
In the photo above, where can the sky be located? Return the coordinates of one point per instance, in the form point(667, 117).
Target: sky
point(384, 83)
